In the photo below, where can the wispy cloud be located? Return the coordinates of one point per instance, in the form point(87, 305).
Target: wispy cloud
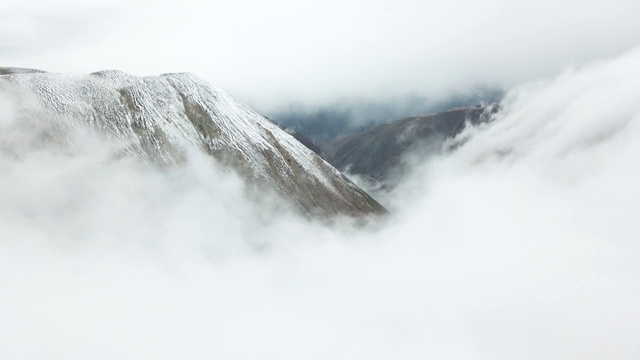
point(521, 244)
point(281, 51)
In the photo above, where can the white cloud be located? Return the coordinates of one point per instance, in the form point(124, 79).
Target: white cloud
point(522, 244)
point(274, 52)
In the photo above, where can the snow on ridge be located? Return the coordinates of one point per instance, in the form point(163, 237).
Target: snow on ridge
point(249, 130)
point(171, 113)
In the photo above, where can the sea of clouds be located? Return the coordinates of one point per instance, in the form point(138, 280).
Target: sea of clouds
point(520, 244)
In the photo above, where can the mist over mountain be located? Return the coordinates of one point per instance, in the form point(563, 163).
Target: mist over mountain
point(165, 117)
point(321, 51)
point(147, 214)
point(522, 243)
point(381, 154)
point(325, 123)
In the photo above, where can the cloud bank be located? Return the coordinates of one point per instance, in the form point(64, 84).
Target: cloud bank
point(520, 244)
point(272, 54)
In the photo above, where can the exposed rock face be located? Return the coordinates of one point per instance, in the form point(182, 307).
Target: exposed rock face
point(170, 114)
point(377, 151)
point(13, 70)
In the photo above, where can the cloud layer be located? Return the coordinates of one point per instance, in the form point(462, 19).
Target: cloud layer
point(274, 53)
point(521, 244)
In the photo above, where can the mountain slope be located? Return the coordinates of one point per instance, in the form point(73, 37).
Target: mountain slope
point(170, 114)
point(377, 152)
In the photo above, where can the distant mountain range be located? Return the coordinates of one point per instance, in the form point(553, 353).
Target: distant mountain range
point(169, 114)
point(327, 122)
point(378, 152)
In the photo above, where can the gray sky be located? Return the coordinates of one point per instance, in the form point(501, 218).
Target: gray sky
point(272, 53)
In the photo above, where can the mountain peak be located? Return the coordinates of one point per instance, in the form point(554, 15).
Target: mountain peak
point(169, 114)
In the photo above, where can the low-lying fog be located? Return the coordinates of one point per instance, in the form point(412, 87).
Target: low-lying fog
point(522, 244)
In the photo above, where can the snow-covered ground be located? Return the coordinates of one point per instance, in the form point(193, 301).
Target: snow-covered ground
point(166, 116)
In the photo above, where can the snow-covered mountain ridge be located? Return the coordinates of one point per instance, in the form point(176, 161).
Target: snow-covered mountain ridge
point(169, 114)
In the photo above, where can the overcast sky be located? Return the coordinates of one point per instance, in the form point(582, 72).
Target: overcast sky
point(521, 244)
point(270, 53)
